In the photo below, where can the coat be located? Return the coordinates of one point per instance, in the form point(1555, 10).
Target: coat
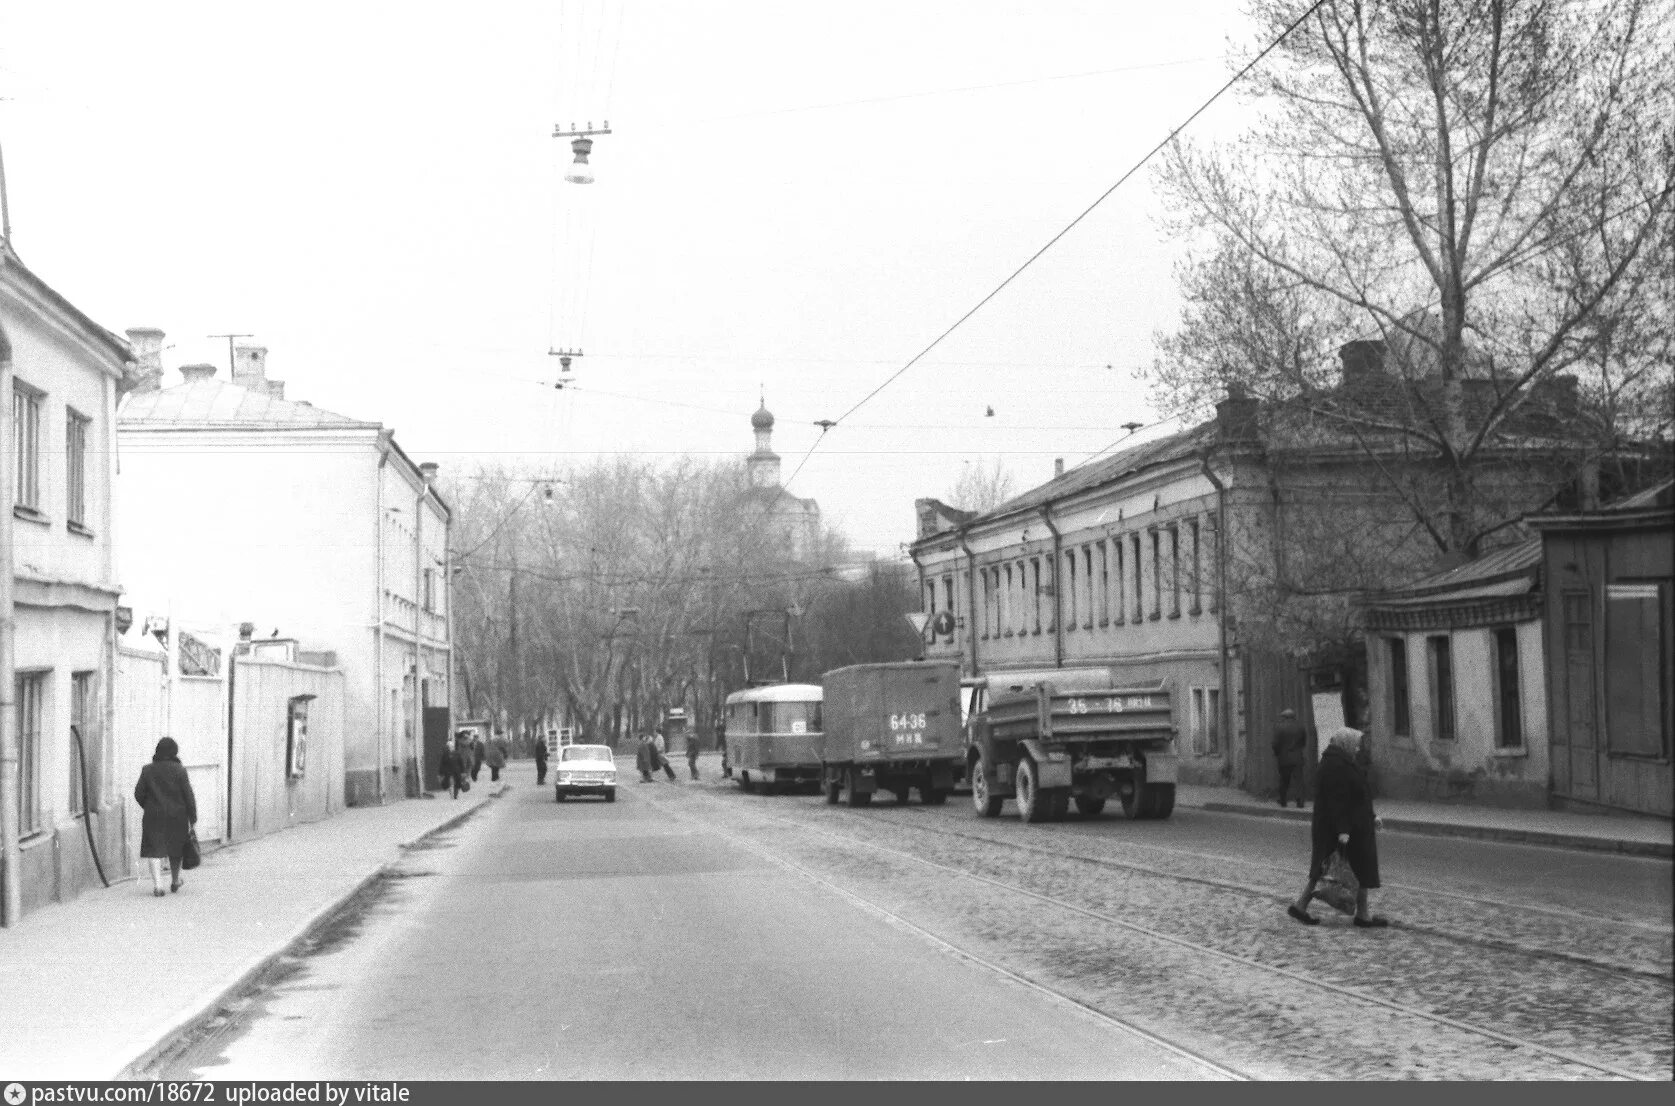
point(477, 753)
point(495, 755)
point(451, 765)
point(540, 752)
point(645, 757)
point(1290, 742)
point(164, 792)
point(1343, 803)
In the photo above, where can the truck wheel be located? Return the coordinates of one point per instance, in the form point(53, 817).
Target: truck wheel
point(1089, 806)
point(903, 792)
point(1033, 806)
point(854, 796)
point(1058, 803)
point(834, 792)
point(1157, 800)
point(988, 806)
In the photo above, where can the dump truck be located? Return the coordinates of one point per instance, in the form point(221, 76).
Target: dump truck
point(892, 727)
point(1045, 739)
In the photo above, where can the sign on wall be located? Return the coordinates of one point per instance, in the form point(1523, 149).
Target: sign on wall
point(296, 736)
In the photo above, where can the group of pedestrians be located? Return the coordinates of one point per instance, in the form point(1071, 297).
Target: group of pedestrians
point(465, 756)
point(651, 755)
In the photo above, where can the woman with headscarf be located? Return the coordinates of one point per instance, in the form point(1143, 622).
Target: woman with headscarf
point(1343, 822)
point(164, 792)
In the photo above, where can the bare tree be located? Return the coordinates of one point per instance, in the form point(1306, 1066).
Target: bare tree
point(1483, 186)
point(980, 487)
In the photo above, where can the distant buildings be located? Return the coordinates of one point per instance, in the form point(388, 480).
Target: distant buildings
point(63, 373)
point(239, 505)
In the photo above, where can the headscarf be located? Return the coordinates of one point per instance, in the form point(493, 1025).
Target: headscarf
point(1347, 739)
point(167, 750)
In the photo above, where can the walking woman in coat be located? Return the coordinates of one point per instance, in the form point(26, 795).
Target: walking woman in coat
point(165, 793)
point(451, 768)
point(1343, 821)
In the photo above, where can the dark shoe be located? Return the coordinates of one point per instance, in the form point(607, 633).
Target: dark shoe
point(1374, 922)
point(157, 891)
point(176, 885)
point(1303, 915)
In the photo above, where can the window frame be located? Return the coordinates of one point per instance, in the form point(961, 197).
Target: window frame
point(1444, 723)
point(1401, 687)
point(85, 714)
point(27, 401)
point(30, 689)
point(1515, 716)
point(77, 429)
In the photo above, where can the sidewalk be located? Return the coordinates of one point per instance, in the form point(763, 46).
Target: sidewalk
point(94, 986)
point(1636, 835)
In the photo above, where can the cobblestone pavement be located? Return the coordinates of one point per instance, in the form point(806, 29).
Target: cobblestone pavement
point(1196, 947)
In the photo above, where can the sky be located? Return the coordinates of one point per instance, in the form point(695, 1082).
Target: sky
point(794, 201)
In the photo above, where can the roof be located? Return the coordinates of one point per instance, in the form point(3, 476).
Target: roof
point(1654, 507)
point(1174, 447)
point(1500, 566)
point(779, 693)
point(221, 404)
point(11, 263)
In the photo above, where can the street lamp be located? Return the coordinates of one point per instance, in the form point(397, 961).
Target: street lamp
point(581, 144)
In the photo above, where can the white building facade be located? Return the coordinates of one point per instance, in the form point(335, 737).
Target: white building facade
point(242, 506)
point(63, 373)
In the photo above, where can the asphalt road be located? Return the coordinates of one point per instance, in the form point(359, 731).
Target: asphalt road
point(617, 941)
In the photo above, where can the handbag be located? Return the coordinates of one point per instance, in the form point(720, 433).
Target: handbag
point(189, 856)
point(464, 784)
point(1338, 886)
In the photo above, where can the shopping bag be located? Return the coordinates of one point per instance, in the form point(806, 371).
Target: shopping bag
point(189, 856)
point(1338, 886)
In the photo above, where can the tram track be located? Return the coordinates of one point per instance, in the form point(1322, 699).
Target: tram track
point(1475, 939)
point(1197, 949)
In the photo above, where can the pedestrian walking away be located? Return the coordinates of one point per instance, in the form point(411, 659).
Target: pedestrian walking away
point(645, 758)
point(1291, 741)
point(451, 768)
point(495, 757)
point(478, 752)
point(540, 761)
point(662, 760)
point(1344, 822)
point(692, 754)
point(164, 792)
point(721, 746)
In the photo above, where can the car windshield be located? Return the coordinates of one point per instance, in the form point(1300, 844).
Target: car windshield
point(585, 752)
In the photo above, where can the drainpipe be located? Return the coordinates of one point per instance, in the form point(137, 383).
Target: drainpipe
point(11, 852)
point(1058, 613)
point(448, 600)
point(1221, 601)
point(913, 556)
point(970, 600)
point(414, 738)
point(378, 622)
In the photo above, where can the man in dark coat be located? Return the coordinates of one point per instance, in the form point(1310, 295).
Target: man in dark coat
point(478, 752)
point(452, 766)
point(1343, 822)
point(540, 759)
point(692, 752)
point(164, 792)
point(1291, 741)
point(645, 759)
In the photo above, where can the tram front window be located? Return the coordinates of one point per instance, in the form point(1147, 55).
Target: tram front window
point(791, 718)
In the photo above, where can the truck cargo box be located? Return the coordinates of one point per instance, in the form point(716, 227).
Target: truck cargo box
point(889, 713)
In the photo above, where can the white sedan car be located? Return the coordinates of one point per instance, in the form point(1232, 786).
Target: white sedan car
point(586, 770)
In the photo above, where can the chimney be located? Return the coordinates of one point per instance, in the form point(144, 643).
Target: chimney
point(1058, 467)
point(429, 470)
point(1362, 361)
point(1236, 415)
point(196, 373)
point(147, 376)
point(250, 368)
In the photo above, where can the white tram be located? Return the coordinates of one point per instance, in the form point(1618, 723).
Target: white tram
point(774, 737)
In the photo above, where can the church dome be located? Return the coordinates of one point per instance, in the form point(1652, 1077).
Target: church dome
point(763, 419)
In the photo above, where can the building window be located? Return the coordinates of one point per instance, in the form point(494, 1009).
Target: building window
point(1197, 539)
point(1206, 719)
point(930, 599)
point(26, 433)
point(1401, 717)
point(1174, 572)
point(1139, 580)
point(1157, 575)
point(948, 600)
point(75, 468)
point(987, 617)
point(84, 716)
point(1035, 590)
point(1636, 669)
point(31, 690)
point(1509, 720)
point(1213, 526)
point(1087, 587)
point(1120, 607)
point(430, 590)
point(1104, 584)
point(1070, 588)
point(1006, 604)
point(1442, 686)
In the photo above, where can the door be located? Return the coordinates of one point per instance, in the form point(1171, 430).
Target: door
point(1581, 700)
point(438, 722)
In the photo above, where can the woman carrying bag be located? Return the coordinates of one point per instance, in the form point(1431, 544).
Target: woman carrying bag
point(164, 792)
point(1344, 822)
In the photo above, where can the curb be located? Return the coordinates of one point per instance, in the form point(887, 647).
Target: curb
point(200, 1011)
point(1659, 849)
